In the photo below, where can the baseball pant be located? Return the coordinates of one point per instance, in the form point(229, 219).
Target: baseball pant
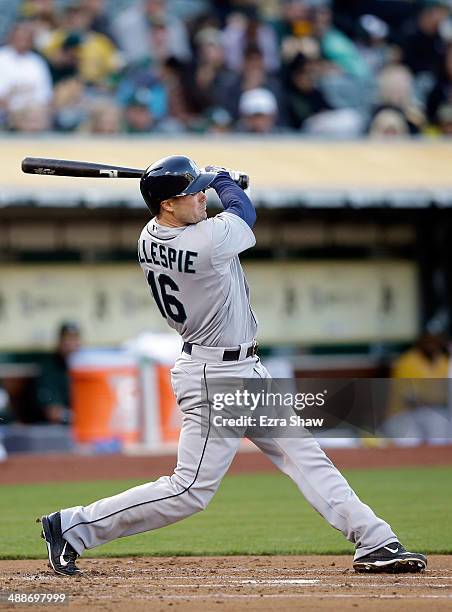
point(202, 462)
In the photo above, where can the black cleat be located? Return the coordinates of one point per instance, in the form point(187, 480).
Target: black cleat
point(62, 556)
point(392, 559)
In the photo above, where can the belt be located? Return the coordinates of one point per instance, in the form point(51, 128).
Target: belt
point(228, 354)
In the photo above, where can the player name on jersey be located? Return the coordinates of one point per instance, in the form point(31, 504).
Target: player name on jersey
point(167, 257)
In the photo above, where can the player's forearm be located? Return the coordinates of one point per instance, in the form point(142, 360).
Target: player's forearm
point(234, 199)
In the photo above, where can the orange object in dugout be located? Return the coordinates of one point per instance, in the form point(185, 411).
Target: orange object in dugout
point(105, 399)
point(114, 399)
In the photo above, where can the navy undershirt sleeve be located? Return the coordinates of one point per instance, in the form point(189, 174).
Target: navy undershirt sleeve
point(233, 198)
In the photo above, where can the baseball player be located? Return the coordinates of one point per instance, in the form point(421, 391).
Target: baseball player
point(192, 267)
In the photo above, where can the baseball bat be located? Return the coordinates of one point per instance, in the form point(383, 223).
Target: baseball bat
point(63, 167)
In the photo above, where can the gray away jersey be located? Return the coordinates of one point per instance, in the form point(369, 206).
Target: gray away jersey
point(197, 281)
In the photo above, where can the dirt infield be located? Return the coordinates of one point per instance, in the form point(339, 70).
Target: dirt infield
point(22, 469)
point(232, 583)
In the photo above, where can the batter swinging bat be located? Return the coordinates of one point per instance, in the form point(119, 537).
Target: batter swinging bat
point(63, 167)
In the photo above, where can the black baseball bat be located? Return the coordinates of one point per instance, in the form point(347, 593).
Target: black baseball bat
point(64, 167)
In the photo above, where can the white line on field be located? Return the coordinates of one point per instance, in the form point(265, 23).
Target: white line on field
point(255, 571)
point(293, 595)
point(275, 581)
point(271, 583)
point(229, 586)
point(263, 583)
point(249, 583)
point(232, 574)
point(224, 583)
point(275, 596)
point(349, 578)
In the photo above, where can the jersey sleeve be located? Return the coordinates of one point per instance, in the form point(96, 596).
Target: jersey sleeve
point(230, 236)
point(233, 198)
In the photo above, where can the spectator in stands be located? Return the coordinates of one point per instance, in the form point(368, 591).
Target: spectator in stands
point(77, 48)
point(346, 81)
point(296, 33)
point(52, 386)
point(255, 75)
point(441, 93)
point(161, 41)
point(372, 43)
point(30, 120)
point(336, 46)
point(445, 119)
point(423, 45)
point(99, 18)
point(388, 122)
point(395, 92)
point(233, 48)
point(304, 97)
point(252, 76)
point(137, 31)
point(219, 121)
point(177, 79)
point(70, 105)
point(104, 117)
point(339, 123)
point(215, 84)
point(258, 111)
point(25, 81)
point(141, 86)
point(138, 117)
point(244, 29)
point(295, 21)
point(44, 19)
point(64, 58)
point(418, 410)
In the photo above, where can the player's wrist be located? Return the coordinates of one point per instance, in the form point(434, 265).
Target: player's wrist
point(219, 171)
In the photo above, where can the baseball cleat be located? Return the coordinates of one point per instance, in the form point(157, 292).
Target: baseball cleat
point(392, 559)
point(62, 556)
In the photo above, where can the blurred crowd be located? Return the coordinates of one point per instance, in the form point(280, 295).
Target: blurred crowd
point(319, 67)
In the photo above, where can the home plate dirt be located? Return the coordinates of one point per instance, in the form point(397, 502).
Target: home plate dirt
point(231, 583)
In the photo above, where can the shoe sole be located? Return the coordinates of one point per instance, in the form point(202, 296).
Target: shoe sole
point(45, 534)
point(410, 565)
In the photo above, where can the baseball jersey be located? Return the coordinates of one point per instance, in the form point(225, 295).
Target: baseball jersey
point(197, 281)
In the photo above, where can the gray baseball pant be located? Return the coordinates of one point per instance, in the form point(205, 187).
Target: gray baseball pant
point(202, 462)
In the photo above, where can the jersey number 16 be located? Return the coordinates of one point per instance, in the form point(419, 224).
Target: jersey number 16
point(168, 305)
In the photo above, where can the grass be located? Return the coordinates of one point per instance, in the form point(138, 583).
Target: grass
point(251, 514)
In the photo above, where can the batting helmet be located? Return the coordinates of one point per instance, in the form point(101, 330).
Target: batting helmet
point(172, 176)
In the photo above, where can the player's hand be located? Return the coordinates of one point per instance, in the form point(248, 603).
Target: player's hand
point(215, 169)
point(240, 178)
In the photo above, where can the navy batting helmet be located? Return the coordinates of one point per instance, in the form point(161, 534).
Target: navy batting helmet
point(172, 176)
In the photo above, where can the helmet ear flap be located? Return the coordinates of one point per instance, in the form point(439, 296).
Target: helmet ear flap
point(153, 205)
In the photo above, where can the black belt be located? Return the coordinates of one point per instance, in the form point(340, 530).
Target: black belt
point(228, 355)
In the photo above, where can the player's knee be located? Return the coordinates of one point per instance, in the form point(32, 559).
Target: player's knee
point(200, 500)
point(198, 496)
point(181, 480)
